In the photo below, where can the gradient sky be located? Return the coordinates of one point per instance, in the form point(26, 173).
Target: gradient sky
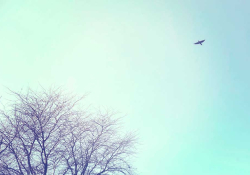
point(189, 103)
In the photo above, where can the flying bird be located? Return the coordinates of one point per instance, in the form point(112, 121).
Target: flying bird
point(200, 42)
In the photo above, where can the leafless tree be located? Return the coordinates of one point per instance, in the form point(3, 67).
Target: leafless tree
point(45, 132)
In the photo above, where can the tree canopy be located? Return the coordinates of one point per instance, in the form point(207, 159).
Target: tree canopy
point(47, 132)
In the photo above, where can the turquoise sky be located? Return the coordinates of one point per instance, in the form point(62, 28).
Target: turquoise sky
point(189, 103)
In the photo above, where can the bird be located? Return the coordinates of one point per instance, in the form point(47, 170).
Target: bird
point(200, 42)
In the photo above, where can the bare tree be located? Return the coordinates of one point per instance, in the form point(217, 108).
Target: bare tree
point(45, 133)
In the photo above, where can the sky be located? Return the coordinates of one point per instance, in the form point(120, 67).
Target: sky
point(188, 103)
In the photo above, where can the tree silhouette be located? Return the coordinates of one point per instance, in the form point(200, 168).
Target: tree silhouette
point(46, 132)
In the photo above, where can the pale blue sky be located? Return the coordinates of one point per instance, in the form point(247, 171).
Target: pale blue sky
point(189, 103)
